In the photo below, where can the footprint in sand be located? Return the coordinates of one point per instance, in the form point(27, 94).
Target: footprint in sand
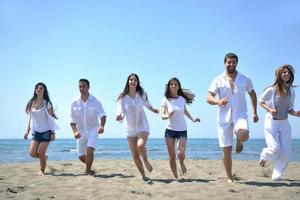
point(16, 189)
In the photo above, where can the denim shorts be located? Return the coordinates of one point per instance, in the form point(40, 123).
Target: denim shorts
point(42, 137)
point(175, 134)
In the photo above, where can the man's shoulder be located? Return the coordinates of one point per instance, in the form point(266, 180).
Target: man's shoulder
point(243, 76)
point(93, 98)
point(220, 78)
point(75, 99)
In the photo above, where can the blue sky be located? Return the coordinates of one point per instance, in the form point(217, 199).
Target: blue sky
point(59, 42)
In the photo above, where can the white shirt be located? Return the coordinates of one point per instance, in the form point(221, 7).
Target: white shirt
point(268, 97)
point(86, 114)
point(41, 120)
point(177, 121)
point(132, 109)
point(237, 105)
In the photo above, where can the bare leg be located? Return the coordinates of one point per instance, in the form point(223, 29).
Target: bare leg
point(170, 142)
point(82, 158)
point(33, 149)
point(132, 142)
point(181, 153)
point(141, 146)
point(227, 161)
point(89, 159)
point(42, 155)
point(242, 135)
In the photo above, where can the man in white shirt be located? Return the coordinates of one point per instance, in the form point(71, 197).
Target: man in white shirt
point(231, 87)
point(85, 113)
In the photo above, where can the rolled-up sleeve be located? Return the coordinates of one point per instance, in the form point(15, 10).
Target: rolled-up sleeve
point(266, 95)
point(100, 110)
point(72, 115)
point(213, 88)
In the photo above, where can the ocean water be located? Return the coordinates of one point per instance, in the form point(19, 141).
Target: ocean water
point(16, 150)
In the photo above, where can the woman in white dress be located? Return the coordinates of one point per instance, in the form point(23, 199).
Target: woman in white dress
point(174, 110)
point(130, 105)
point(41, 123)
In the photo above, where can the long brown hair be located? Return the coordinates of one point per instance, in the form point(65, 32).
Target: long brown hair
point(139, 88)
point(279, 85)
point(185, 93)
point(34, 97)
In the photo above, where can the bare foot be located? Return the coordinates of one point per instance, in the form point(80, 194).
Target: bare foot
point(148, 165)
point(41, 173)
point(90, 173)
point(230, 180)
point(239, 147)
point(146, 179)
point(262, 163)
point(183, 167)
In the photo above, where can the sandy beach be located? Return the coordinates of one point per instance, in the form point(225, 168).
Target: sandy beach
point(119, 179)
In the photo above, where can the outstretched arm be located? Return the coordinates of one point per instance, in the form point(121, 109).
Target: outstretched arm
point(253, 98)
point(28, 129)
point(294, 113)
point(187, 113)
point(165, 114)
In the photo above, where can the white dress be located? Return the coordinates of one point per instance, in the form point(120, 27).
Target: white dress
point(132, 109)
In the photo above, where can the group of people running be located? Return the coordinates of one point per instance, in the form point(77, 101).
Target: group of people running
point(228, 91)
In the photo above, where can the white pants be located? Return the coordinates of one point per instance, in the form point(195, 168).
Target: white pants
point(278, 139)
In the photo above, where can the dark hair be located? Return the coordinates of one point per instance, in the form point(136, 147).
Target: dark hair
point(185, 93)
point(231, 55)
point(34, 97)
point(278, 83)
point(85, 81)
point(139, 88)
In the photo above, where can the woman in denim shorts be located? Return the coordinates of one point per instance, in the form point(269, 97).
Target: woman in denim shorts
point(173, 109)
point(41, 123)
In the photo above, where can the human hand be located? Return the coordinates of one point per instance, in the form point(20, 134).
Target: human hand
point(223, 102)
point(272, 111)
point(26, 135)
point(255, 118)
point(77, 135)
point(196, 120)
point(101, 130)
point(297, 113)
point(156, 111)
point(119, 118)
point(52, 137)
point(171, 113)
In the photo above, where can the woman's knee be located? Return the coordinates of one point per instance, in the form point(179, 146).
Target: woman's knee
point(181, 156)
point(141, 148)
point(34, 154)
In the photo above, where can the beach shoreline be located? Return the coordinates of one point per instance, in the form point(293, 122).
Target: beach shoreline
point(119, 179)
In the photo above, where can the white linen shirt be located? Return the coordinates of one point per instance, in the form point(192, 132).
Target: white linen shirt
point(41, 120)
point(177, 121)
point(86, 114)
point(237, 105)
point(132, 109)
point(268, 97)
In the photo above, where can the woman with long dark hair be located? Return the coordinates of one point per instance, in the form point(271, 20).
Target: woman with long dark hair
point(41, 123)
point(173, 109)
point(130, 106)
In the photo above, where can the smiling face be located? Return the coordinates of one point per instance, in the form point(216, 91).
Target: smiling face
point(39, 91)
point(174, 86)
point(285, 75)
point(132, 82)
point(230, 65)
